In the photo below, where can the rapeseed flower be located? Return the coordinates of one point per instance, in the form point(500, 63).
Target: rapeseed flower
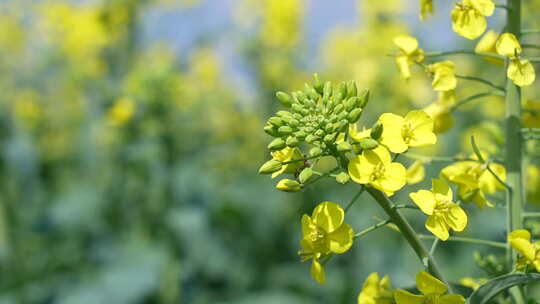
point(287, 154)
point(443, 213)
point(416, 173)
point(432, 289)
point(413, 130)
point(376, 290)
point(469, 17)
point(324, 233)
point(426, 7)
point(376, 169)
point(487, 45)
point(408, 54)
point(520, 71)
point(444, 75)
point(520, 240)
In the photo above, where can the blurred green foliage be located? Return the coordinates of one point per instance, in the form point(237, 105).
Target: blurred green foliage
point(128, 171)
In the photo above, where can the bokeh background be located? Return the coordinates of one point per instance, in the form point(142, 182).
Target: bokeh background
point(131, 134)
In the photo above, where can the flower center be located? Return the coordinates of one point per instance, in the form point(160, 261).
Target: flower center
point(317, 236)
point(378, 172)
point(407, 132)
point(432, 299)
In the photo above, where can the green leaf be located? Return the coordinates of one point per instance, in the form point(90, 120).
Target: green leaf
point(493, 287)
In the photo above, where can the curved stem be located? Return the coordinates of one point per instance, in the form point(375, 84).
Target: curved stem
point(530, 31)
point(466, 52)
point(473, 97)
point(466, 240)
point(408, 232)
point(482, 80)
point(372, 228)
point(355, 198)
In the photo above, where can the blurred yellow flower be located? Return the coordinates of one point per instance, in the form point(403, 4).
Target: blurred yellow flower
point(472, 283)
point(520, 240)
point(531, 114)
point(426, 7)
point(469, 17)
point(324, 232)
point(121, 112)
point(408, 53)
point(376, 169)
point(441, 111)
point(416, 173)
point(533, 184)
point(487, 45)
point(521, 71)
point(508, 45)
point(432, 289)
point(444, 75)
point(376, 290)
point(443, 213)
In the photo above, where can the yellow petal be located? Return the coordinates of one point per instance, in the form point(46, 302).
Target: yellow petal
point(329, 216)
point(441, 190)
point(426, 6)
point(428, 284)
point(438, 227)
point(341, 240)
point(416, 173)
point(395, 177)
point(520, 240)
point(420, 125)
point(407, 44)
point(487, 45)
point(307, 225)
point(380, 154)
point(360, 168)
point(485, 7)
point(521, 72)
point(317, 272)
point(508, 45)
point(445, 78)
point(391, 136)
point(370, 290)
point(405, 297)
point(425, 200)
point(452, 299)
point(456, 218)
point(468, 23)
point(402, 62)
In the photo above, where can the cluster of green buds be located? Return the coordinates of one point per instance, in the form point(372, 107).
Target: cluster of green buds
point(317, 114)
point(490, 263)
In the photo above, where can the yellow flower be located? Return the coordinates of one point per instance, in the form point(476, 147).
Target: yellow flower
point(375, 290)
point(376, 169)
point(472, 283)
point(531, 114)
point(285, 155)
point(469, 17)
point(443, 213)
point(324, 232)
point(520, 240)
point(474, 181)
point(426, 6)
point(440, 111)
point(533, 184)
point(520, 71)
point(122, 111)
point(432, 289)
point(416, 173)
point(408, 54)
point(415, 130)
point(487, 45)
point(444, 75)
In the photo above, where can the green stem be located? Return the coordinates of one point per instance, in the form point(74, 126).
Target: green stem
point(513, 151)
point(408, 233)
point(473, 97)
point(466, 240)
point(530, 31)
point(355, 198)
point(372, 228)
point(482, 80)
point(531, 214)
point(530, 46)
point(302, 159)
point(466, 52)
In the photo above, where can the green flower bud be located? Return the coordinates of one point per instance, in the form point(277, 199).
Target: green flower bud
point(329, 127)
point(300, 96)
point(344, 146)
point(285, 130)
point(311, 138)
point(338, 98)
point(315, 151)
point(319, 133)
point(338, 109)
point(368, 144)
point(352, 103)
point(351, 88)
point(284, 98)
point(293, 122)
point(364, 98)
point(284, 114)
point(307, 89)
point(354, 115)
point(342, 178)
point(288, 185)
point(343, 89)
point(291, 141)
point(276, 121)
point(276, 144)
point(327, 91)
point(305, 175)
point(329, 138)
point(297, 108)
point(343, 116)
point(376, 131)
point(317, 84)
point(271, 130)
point(297, 116)
point(270, 166)
point(300, 135)
point(341, 124)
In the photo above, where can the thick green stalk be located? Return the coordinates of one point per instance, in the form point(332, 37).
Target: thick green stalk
point(408, 232)
point(514, 153)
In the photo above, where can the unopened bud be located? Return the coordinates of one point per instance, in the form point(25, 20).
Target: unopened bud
point(329, 138)
point(368, 144)
point(338, 109)
point(343, 89)
point(291, 141)
point(344, 146)
point(342, 178)
point(315, 151)
point(376, 131)
point(317, 84)
point(351, 89)
point(271, 130)
point(352, 103)
point(354, 115)
point(284, 98)
point(276, 144)
point(364, 98)
point(305, 175)
point(276, 121)
point(285, 130)
point(270, 166)
point(288, 185)
point(327, 89)
point(311, 138)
